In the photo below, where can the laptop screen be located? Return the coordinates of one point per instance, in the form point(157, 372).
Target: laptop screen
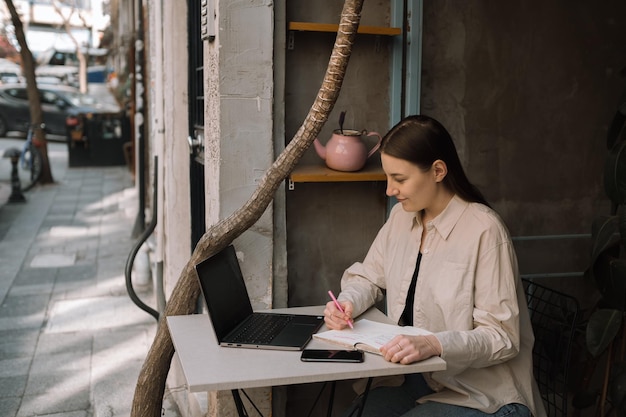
point(224, 291)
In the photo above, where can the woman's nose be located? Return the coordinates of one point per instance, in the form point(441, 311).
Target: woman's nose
point(390, 191)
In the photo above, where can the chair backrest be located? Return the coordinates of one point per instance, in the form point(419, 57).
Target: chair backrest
point(554, 316)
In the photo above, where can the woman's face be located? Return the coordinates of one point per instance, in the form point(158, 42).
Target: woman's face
point(414, 189)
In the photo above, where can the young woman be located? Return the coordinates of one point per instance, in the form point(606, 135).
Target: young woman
point(446, 263)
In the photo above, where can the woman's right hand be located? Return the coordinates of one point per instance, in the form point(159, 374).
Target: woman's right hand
point(334, 318)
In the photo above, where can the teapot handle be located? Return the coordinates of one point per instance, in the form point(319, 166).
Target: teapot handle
point(375, 148)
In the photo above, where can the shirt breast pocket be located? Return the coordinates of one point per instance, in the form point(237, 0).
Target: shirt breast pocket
point(451, 290)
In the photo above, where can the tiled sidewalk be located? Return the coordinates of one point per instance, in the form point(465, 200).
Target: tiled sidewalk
point(71, 340)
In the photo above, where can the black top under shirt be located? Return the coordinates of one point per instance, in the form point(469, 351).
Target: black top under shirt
point(406, 319)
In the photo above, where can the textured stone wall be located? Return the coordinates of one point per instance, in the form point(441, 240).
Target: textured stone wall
point(527, 89)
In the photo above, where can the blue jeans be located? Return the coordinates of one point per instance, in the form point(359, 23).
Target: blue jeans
point(401, 402)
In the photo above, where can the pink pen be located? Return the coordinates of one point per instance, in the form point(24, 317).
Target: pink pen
point(339, 307)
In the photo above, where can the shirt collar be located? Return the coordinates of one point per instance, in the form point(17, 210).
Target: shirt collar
point(447, 219)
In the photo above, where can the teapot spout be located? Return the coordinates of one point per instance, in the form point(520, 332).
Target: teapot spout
point(320, 149)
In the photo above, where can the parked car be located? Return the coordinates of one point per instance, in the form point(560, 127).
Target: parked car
point(68, 56)
point(10, 72)
point(63, 63)
point(10, 76)
point(67, 75)
point(57, 102)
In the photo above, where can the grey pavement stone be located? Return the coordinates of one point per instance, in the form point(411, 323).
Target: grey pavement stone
point(63, 383)
point(11, 252)
point(24, 306)
point(111, 279)
point(19, 236)
point(9, 406)
point(112, 399)
point(13, 386)
point(54, 260)
point(82, 244)
point(57, 220)
point(29, 276)
point(65, 196)
point(8, 217)
point(34, 289)
point(71, 232)
point(68, 414)
point(14, 367)
point(77, 273)
point(22, 322)
point(86, 257)
point(58, 343)
point(18, 343)
point(54, 402)
point(86, 314)
point(131, 343)
point(69, 291)
point(112, 260)
point(62, 208)
point(70, 361)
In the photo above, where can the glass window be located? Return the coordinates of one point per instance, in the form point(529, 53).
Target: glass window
point(48, 97)
point(18, 93)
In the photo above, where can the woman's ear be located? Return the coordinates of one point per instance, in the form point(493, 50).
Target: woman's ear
point(440, 169)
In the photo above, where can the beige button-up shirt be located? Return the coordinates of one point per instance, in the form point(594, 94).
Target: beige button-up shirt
point(468, 293)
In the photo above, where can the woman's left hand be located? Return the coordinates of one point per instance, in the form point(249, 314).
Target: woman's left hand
point(408, 349)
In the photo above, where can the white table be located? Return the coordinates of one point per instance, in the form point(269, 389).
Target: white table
point(209, 367)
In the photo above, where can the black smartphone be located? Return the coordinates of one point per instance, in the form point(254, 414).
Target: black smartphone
point(324, 355)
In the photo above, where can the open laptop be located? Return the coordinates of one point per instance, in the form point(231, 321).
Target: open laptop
point(234, 322)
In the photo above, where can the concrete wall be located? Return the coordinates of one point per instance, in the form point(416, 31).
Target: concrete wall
point(168, 126)
point(528, 89)
point(175, 159)
point(239, 145)
point(239, 148)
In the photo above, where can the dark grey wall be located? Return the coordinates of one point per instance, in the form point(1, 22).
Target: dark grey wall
point(528, 89)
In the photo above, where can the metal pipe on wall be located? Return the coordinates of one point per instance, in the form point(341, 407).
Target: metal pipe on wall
point(158, 146)
point(139, 126)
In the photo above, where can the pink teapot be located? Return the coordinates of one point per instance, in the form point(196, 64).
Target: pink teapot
point(346, 151)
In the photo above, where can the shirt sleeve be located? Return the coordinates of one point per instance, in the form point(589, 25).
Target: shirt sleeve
point(495, 337)
point(363, 282)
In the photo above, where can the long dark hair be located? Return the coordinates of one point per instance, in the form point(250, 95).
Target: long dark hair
point(422, 140)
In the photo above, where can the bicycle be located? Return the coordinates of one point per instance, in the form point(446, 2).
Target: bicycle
point(31, 159)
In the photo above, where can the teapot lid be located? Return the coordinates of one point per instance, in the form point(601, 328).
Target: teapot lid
point(349, 132)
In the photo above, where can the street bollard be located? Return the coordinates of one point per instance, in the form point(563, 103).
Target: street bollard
point(16, 187)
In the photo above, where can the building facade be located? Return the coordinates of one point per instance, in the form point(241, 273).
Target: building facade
point(219, 88)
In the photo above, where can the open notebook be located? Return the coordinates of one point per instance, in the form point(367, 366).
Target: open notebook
point(367, 335)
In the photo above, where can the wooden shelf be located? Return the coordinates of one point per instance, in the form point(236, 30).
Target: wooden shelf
point(329, 27)
point(321, 173)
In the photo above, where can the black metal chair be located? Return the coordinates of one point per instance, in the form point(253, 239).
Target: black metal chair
point(554, 318)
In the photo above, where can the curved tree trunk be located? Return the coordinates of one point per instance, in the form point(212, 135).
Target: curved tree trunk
point(36, 115)
point(150, 388)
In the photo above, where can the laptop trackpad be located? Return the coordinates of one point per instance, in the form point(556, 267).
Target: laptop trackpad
point(293, 333)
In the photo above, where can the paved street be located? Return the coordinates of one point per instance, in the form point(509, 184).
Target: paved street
point(71, 340)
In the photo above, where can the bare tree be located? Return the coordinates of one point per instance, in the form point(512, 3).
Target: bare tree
point(150, 388)
point(80, 55)
point(36, 115)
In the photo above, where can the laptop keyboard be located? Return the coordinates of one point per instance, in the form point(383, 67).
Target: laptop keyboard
point(261, 328)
